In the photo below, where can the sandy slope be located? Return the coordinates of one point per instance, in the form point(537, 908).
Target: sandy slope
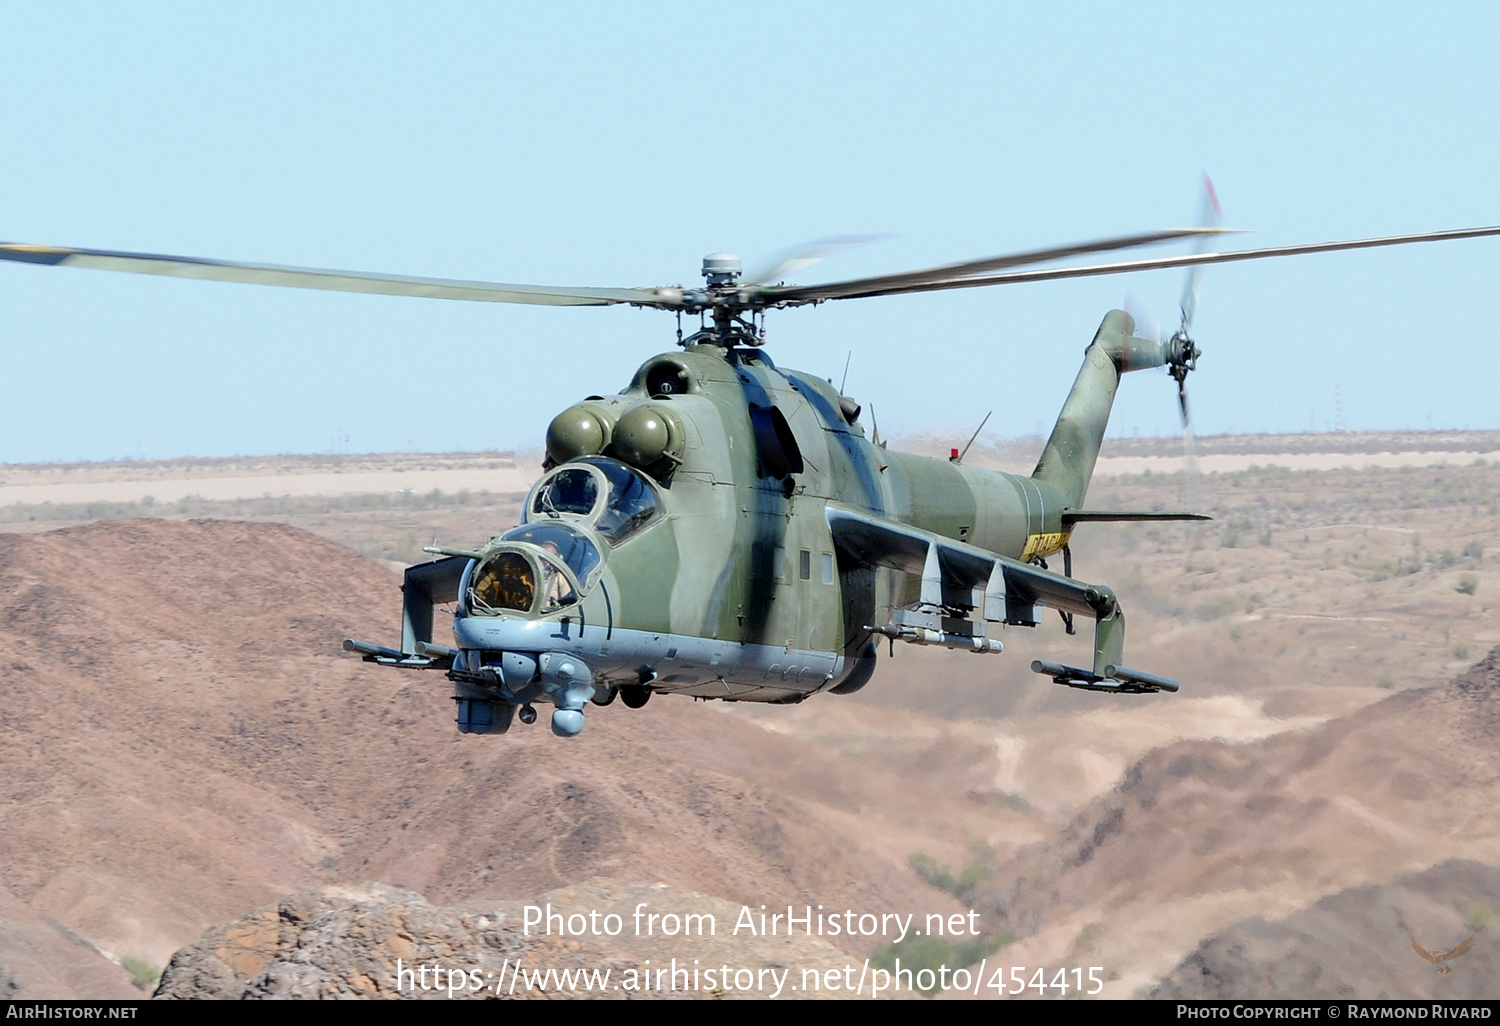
point(186, 742)
point(1200, 834)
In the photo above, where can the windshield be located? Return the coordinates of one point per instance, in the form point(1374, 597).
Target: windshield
point(567, 543)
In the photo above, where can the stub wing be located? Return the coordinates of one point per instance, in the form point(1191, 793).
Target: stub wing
point(958, 577)
point(425, 585)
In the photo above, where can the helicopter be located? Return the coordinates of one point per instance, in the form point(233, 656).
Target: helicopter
point(726, 529)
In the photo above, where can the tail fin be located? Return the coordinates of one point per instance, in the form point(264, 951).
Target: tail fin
point(1068, 460)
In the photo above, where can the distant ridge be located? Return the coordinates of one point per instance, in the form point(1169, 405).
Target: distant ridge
point(1356, 944)
point(1023, 451)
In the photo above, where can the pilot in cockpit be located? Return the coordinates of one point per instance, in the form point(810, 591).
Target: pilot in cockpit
point(556, 591)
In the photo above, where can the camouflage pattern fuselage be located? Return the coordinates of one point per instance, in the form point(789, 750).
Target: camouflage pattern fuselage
point(737, 591)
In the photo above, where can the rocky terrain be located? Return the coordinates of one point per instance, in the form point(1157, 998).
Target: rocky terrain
point(381, 942)
point(1346, 945)
point(1201, 833)
point(185, 743)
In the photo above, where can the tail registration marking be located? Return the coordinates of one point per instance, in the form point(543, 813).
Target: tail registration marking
point(1039, 545)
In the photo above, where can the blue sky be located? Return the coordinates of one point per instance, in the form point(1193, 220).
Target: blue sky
point(589, 144)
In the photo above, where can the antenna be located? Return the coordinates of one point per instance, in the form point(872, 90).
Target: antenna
point(845, 379)
point(975, 435)
point(874, 427)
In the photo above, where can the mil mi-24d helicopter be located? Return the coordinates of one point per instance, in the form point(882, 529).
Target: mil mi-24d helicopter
point(725, 528)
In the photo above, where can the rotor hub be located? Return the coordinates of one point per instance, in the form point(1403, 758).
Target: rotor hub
point(721, 269)
point(1182, 356)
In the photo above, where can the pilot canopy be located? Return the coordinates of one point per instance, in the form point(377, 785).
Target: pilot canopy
point(613, 499)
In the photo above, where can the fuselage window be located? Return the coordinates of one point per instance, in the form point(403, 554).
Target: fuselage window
point(828, 568)
point(806, 565)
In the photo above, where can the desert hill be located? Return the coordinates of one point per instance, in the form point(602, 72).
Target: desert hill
point(40, 957)
point(1316, 953)
point(185, 741)
point(1200, 833)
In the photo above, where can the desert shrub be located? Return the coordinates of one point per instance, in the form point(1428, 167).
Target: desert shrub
point(963, 883)
point(932, 953)
point(1478, 916)
point(1218, 607)
point(142, 973)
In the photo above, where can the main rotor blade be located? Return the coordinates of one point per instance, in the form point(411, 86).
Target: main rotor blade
point(1052, 274)
point(808, 254)
point(917, 281)
point(336, 281)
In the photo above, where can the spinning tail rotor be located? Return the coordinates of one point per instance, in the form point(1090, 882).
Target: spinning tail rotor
point(1183, 352)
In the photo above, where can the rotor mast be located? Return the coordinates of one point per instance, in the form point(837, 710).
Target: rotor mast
point(726, 299)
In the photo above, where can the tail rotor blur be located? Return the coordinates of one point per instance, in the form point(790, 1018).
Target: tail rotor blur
point(1183, 357)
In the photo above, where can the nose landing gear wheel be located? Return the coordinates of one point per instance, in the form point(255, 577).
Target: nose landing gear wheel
point(634, 695)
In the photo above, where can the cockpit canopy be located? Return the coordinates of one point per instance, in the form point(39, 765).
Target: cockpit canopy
point(550, 561)
point(567, 543)
point(521, 578)
point(505, 581)
point(617, 500)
